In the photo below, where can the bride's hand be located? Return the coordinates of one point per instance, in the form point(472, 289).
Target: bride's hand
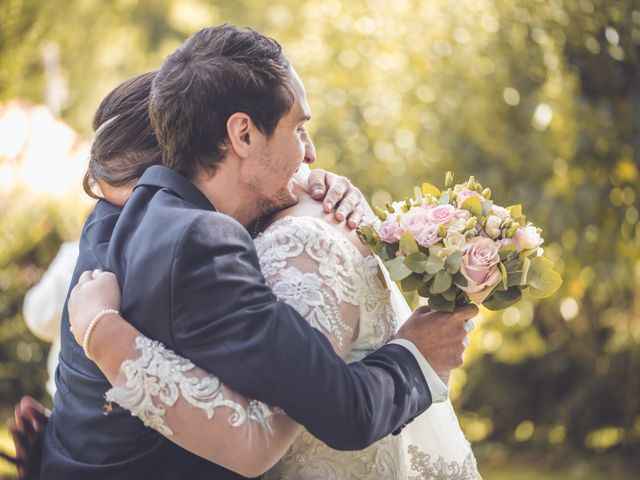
point(337, 192)
point(96, 291)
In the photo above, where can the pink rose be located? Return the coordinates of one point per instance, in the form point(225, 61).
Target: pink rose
point(441, 214)
point(415, 221)
point(428, 236)
point(463, 214)
point(465, 194)
point(480, 268)
point(390, 231)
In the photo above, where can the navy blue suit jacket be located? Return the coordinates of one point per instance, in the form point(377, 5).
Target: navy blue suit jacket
point(190, 278)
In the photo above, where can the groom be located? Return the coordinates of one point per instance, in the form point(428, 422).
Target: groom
point(229, 113)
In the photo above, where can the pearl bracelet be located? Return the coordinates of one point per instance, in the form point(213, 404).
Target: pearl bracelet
point(92, 324)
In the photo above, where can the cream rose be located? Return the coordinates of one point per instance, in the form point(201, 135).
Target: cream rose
point(528, 238)
point(499, 211)
point(492, 227)
point(480, 268)
point(455, 242)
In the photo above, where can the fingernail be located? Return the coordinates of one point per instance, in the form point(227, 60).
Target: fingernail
point(340, 215)
point(317, 192)
point(329, 206)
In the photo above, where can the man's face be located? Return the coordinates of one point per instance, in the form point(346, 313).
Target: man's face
point(283, 152)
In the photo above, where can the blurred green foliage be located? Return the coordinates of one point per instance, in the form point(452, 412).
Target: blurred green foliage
point(539, 99)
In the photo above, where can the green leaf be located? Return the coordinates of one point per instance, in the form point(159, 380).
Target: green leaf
point(509, 250)
point(526, 264)
point(411, 283)
point(545, 286)
point(428, 189)
point(397, 269)
point(450, 294)
point(460, 279)
point(434, 264)
point(500, 300)
point(438, 302)
point(416, 262)
point(452, 262)
point(441, 283)
point(514, 271)
point(473, 205)
point(424, 291)
point(538, 266)
point(504, 273)
point(515, 210)
point(408, 245)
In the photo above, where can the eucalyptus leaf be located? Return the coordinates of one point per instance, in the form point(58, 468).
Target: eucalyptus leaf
point(453, 262)
point(546, 285)
point(500, 300)
point(411, 283)
point(397, 269)
point(408, 245)
point(460, 280)
point(450, 294)
point(508, 251)
point(438, 302)
point(441, 283)
point(416, 262)
point(444, 199)
point(434, 264)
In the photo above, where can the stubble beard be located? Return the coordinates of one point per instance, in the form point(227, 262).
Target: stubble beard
point(266, 205)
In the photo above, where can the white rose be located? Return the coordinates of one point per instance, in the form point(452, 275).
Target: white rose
point(492, 227)
point(455, 242)
point(528, 237)
point(499, 211)
point(458, 224)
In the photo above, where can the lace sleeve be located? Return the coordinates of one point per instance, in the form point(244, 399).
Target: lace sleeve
point(310, 266)
point(195, 410)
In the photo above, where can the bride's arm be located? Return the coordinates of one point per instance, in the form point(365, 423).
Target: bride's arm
point(187, 404)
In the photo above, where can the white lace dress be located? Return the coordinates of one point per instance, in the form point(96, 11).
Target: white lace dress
point(344, 294)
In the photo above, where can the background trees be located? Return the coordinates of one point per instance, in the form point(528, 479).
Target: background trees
point(538, 99)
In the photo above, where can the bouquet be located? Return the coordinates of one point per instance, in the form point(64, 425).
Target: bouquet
point(456, 246)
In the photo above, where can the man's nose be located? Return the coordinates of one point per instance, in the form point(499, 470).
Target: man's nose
point(309, 153)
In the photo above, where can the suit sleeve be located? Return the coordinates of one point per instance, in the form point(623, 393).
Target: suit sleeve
point(227, 321)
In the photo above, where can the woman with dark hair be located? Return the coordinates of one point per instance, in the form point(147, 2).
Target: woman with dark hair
point(123, 148)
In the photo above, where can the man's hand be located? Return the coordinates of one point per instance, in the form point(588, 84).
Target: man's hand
point(441, 337)
point(337, 192)
point(27, 430)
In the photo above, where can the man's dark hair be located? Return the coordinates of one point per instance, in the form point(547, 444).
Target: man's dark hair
point(125, 144)
point(217, 72)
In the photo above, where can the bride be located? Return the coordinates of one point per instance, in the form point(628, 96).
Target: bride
point(319, 267)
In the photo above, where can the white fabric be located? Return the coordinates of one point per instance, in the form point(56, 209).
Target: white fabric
point(43, 304)
point(434, 445)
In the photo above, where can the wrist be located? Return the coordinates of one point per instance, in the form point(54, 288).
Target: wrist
point(110, 343)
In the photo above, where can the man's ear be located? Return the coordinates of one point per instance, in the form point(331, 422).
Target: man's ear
point(239, 129)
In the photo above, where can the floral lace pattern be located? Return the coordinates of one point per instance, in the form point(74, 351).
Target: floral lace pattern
point(429, 468)
point(335, 273)
point(157, 379)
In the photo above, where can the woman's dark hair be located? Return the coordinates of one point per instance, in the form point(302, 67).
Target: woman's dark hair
point(125, 144)
point(217, 72)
